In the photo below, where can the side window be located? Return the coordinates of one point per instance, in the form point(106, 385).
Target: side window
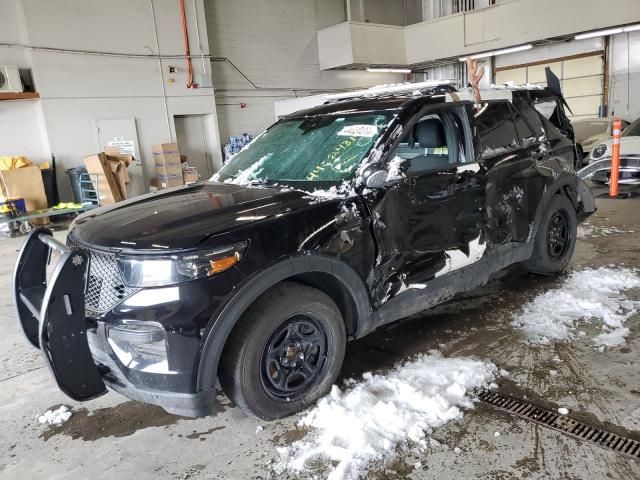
point(531, 117)
point(496, 131)
point(524, 131)
point(548, 115)
point(435, 142)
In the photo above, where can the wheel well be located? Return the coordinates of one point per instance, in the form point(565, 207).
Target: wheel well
point(328, 284)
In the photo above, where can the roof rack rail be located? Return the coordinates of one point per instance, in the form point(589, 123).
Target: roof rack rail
point(394, 89)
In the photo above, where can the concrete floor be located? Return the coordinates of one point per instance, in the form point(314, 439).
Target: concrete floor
point(112, 437)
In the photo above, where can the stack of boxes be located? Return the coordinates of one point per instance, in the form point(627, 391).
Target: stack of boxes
point(168, 166)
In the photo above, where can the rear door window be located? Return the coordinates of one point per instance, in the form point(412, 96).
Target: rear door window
point(548, 113)
point(496, 130)
point(528, 123)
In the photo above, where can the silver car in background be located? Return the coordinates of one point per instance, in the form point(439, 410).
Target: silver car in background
point(599, 168)
point(590, 132)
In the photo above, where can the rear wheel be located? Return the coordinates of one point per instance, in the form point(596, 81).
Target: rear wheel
point(285, 353)
point(556, 238)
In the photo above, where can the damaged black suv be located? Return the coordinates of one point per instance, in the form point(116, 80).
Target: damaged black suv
point(333, 222)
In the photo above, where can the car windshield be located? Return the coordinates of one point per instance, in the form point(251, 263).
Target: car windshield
point(323, 149)
point(632, 130)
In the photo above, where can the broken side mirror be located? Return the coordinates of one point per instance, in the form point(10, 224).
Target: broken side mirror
point(377, 179)
point(380, 177)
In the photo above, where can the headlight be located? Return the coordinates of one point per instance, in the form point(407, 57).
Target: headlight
point(165, 270)
point(599, 151)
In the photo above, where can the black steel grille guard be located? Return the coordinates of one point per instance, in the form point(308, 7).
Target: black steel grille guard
point(52, 314)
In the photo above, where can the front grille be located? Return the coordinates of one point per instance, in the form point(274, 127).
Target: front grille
point(105, 288)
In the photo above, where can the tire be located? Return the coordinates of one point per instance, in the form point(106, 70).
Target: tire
point(271, 388)
point(551, 250)
point(25, 227)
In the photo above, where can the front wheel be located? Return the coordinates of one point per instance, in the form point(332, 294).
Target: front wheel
point(556, 238)
point(285, 353)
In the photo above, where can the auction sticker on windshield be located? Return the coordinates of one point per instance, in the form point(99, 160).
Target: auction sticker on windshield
point(368, 131)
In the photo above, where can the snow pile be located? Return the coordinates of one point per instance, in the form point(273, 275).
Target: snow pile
point(587, 230)
point(365, 422)
point(55, 417)
point(591, 294)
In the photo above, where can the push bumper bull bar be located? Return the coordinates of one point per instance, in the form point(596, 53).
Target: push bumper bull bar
point(52, 312)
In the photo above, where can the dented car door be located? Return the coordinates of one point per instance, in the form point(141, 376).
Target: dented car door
point(431, 220)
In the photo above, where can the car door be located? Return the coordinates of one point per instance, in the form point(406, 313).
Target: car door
point(511, 151)
point(431, 220)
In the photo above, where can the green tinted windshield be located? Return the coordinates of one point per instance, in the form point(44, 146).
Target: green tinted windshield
point(324, 148)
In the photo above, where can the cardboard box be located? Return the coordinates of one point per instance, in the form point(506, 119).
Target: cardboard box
point(168, 181)
point(119, 163)
point(165, 153)
point(190, 175)
point(105, 183)
point(26, 182)
point(168, 169)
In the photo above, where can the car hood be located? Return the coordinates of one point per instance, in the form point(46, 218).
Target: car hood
point(589, 143)
point(183, 217)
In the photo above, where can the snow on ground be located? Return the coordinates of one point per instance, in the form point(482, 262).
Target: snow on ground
point(366, 421)
point(55, 417)
point(586, 295)
point(587, 230)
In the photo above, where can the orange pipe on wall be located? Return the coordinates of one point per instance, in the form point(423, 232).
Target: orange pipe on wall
point(615, 158)
point(187, 51)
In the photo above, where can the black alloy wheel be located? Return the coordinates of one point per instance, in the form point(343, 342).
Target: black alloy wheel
point(294, 358)
point(285, 352)
point(555, 237)
point(558, 235)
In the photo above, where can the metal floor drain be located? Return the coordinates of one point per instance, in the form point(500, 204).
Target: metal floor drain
point(575, 428)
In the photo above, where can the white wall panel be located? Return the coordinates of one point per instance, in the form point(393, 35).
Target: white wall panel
point(624, 99)
point(510, 23)
point(76, 89)
point(275, 44)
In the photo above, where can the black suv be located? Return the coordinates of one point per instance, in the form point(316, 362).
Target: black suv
point(333, 222)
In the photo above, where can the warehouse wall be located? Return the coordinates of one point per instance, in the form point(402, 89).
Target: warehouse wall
point(274, 44)
point(78, 89)
point(624, 96)
point(512, 22)
point(21, 123)
point(624, 67)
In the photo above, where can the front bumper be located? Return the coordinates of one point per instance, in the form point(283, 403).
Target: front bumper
point(113, 375)
point(52, 316)
point(600, 170)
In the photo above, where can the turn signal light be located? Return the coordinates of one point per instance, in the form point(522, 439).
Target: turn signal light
point(225, 263)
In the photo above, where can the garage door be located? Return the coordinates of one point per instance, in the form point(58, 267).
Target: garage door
point(582, 81)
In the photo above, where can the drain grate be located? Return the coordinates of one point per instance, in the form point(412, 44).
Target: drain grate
point(575, 428)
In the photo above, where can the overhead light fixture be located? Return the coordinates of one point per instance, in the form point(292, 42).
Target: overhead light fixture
point(388, 70)
point(519, 48)
point(608, 31)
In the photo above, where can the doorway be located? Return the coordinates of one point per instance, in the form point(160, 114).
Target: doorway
point(194, 140)
point(122, 133)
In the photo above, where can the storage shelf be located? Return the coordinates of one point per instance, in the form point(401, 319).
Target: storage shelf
point(19, 96)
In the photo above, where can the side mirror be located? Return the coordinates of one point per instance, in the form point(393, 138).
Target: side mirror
point(377, 179)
